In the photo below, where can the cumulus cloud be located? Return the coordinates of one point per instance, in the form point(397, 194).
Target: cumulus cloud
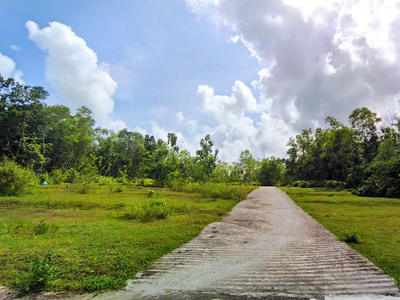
point(237, 131)
point(189, 124)
point(317, 58)
point(8, 68)
point(73, 69)
point(14, 47)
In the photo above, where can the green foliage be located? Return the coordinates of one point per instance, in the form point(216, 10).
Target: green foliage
point(58, 176)
point(117, 188)
point(83, 187)
point(122, 177)
point(39, 279)
point(41, 228)
point(150, 193)
point(148, 211)
point(211, 190)
point(95, 248)
point(44, 178)
point(334, 184)
point(15, 180)
point(351, 236)
point(301, 183)
point(271, 172)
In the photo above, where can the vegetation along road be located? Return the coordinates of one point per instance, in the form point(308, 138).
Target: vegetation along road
point(266, 246)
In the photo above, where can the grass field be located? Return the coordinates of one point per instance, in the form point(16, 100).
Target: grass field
point(376, 220)
point(91, 245)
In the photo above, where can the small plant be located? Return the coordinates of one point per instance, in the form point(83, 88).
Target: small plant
point(150, 193)
point(41, 274)
point(351, 236)
point(40, 228)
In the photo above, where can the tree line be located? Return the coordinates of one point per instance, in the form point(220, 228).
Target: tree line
point(48, 139)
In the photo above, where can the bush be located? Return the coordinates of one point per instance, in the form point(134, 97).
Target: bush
point(148, 211)
point(58, 176)
point(15, 180)
point(82, 188)
point(44, 178)
point(334, 184)
point(40, 276)
point(122, 177)
point(301, 183)
point(150, 193)
point(103, 180)
point(117, 188)
point(351, 236)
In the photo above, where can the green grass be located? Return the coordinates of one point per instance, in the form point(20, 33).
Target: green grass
point(374, 221)
point(91, 245)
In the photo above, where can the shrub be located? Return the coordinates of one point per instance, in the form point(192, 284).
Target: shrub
point(148, 211)
point(102, 180)
point(40, 276)
point(58, 176)
point(71, 175)
point(15, 180)
point(117, 188)
point(122, 177)
point(301, 183)
point(150, 193)
point(334, 184)
point(44, 178)
point(82, 188)
point(351, 236)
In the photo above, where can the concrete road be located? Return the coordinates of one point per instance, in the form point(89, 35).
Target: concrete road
point(266, 247)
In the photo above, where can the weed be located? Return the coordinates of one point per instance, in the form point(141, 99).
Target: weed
point(150, 193)
point(42, 228)
point(117, 188)
point(41, 274)
point(82, 188)
point(351, 236)
point(146, 212)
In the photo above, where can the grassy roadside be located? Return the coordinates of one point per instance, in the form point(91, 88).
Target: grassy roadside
point(376, 220)
point(91, 245)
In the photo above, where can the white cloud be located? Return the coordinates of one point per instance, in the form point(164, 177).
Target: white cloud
point(179, 116)
point(227, 108)
point(72, 68)
point(14, 47)
point(8, 68)
point(237, 131)
point(187, 124)
point(317, 58)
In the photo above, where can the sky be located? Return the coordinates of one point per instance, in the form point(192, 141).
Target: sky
point(251, 73)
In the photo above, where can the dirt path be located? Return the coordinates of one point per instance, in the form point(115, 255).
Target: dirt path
point(265, 247)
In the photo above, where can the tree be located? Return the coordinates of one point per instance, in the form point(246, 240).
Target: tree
point(206, 159)
point(272, 171)
point(249, 167)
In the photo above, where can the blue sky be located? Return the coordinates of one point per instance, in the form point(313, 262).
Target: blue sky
point(163, 49)
point(250, 73)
